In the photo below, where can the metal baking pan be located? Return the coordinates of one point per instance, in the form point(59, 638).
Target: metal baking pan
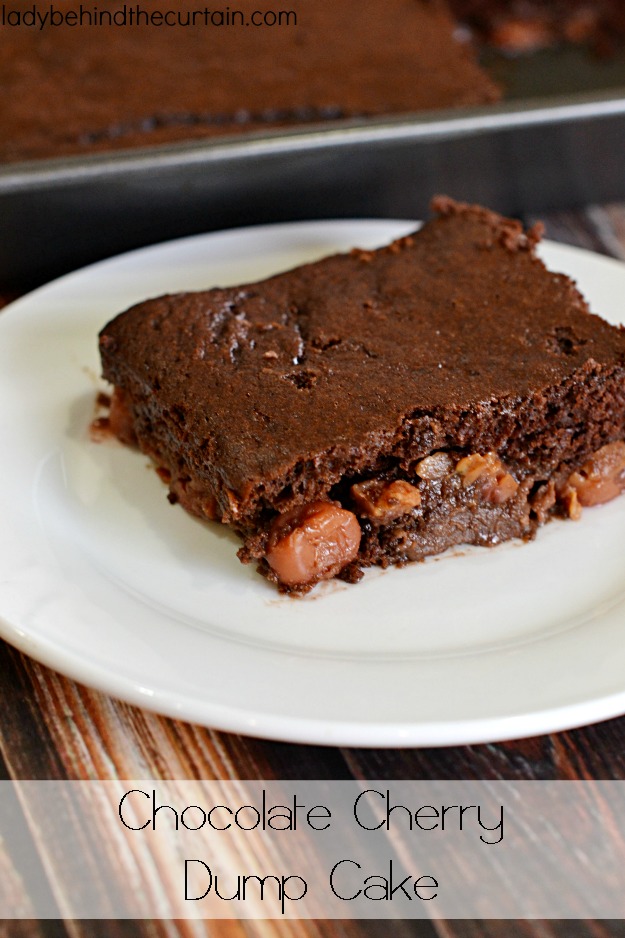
point(557, 141)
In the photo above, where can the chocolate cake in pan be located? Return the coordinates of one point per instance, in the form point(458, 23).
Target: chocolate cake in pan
point(126, 74)
point(378, 407)
point(111, 80)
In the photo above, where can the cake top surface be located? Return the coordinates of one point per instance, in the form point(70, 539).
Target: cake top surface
point(82, 88)
point(336, 355)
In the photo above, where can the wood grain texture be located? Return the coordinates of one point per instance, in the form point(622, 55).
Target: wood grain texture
point(54, 728)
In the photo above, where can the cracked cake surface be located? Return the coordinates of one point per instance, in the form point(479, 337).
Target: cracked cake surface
point(444, 389)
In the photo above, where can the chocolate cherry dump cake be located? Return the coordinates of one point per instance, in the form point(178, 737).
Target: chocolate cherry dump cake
point(378, 407)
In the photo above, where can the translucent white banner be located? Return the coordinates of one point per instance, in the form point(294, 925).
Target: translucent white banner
point(337, 849)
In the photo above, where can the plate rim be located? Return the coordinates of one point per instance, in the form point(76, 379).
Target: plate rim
point(283, 727)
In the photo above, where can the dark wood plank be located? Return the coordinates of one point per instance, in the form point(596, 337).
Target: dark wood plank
point(56, 728)
point(531, 929)
point(31, 928)
point(597, 228)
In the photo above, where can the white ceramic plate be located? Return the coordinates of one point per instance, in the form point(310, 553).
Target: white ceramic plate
point(103, 580)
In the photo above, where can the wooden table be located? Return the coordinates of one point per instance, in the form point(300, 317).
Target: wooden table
point(53, 728)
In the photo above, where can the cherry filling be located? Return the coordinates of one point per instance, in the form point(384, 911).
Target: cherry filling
point(121, 420)
point(602, 477)
point(446, 500)
point(318, 540)
point(313, 542)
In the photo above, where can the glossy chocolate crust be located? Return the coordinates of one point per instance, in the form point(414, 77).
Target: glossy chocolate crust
point(85, 89)
point(265, 397)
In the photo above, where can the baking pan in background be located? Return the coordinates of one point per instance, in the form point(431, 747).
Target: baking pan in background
point(557, 141)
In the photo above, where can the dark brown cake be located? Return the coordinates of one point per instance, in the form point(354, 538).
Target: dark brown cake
point(378, 407)
point(77, 89)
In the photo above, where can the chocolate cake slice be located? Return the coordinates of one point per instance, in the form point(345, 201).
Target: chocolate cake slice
point(380, 406)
